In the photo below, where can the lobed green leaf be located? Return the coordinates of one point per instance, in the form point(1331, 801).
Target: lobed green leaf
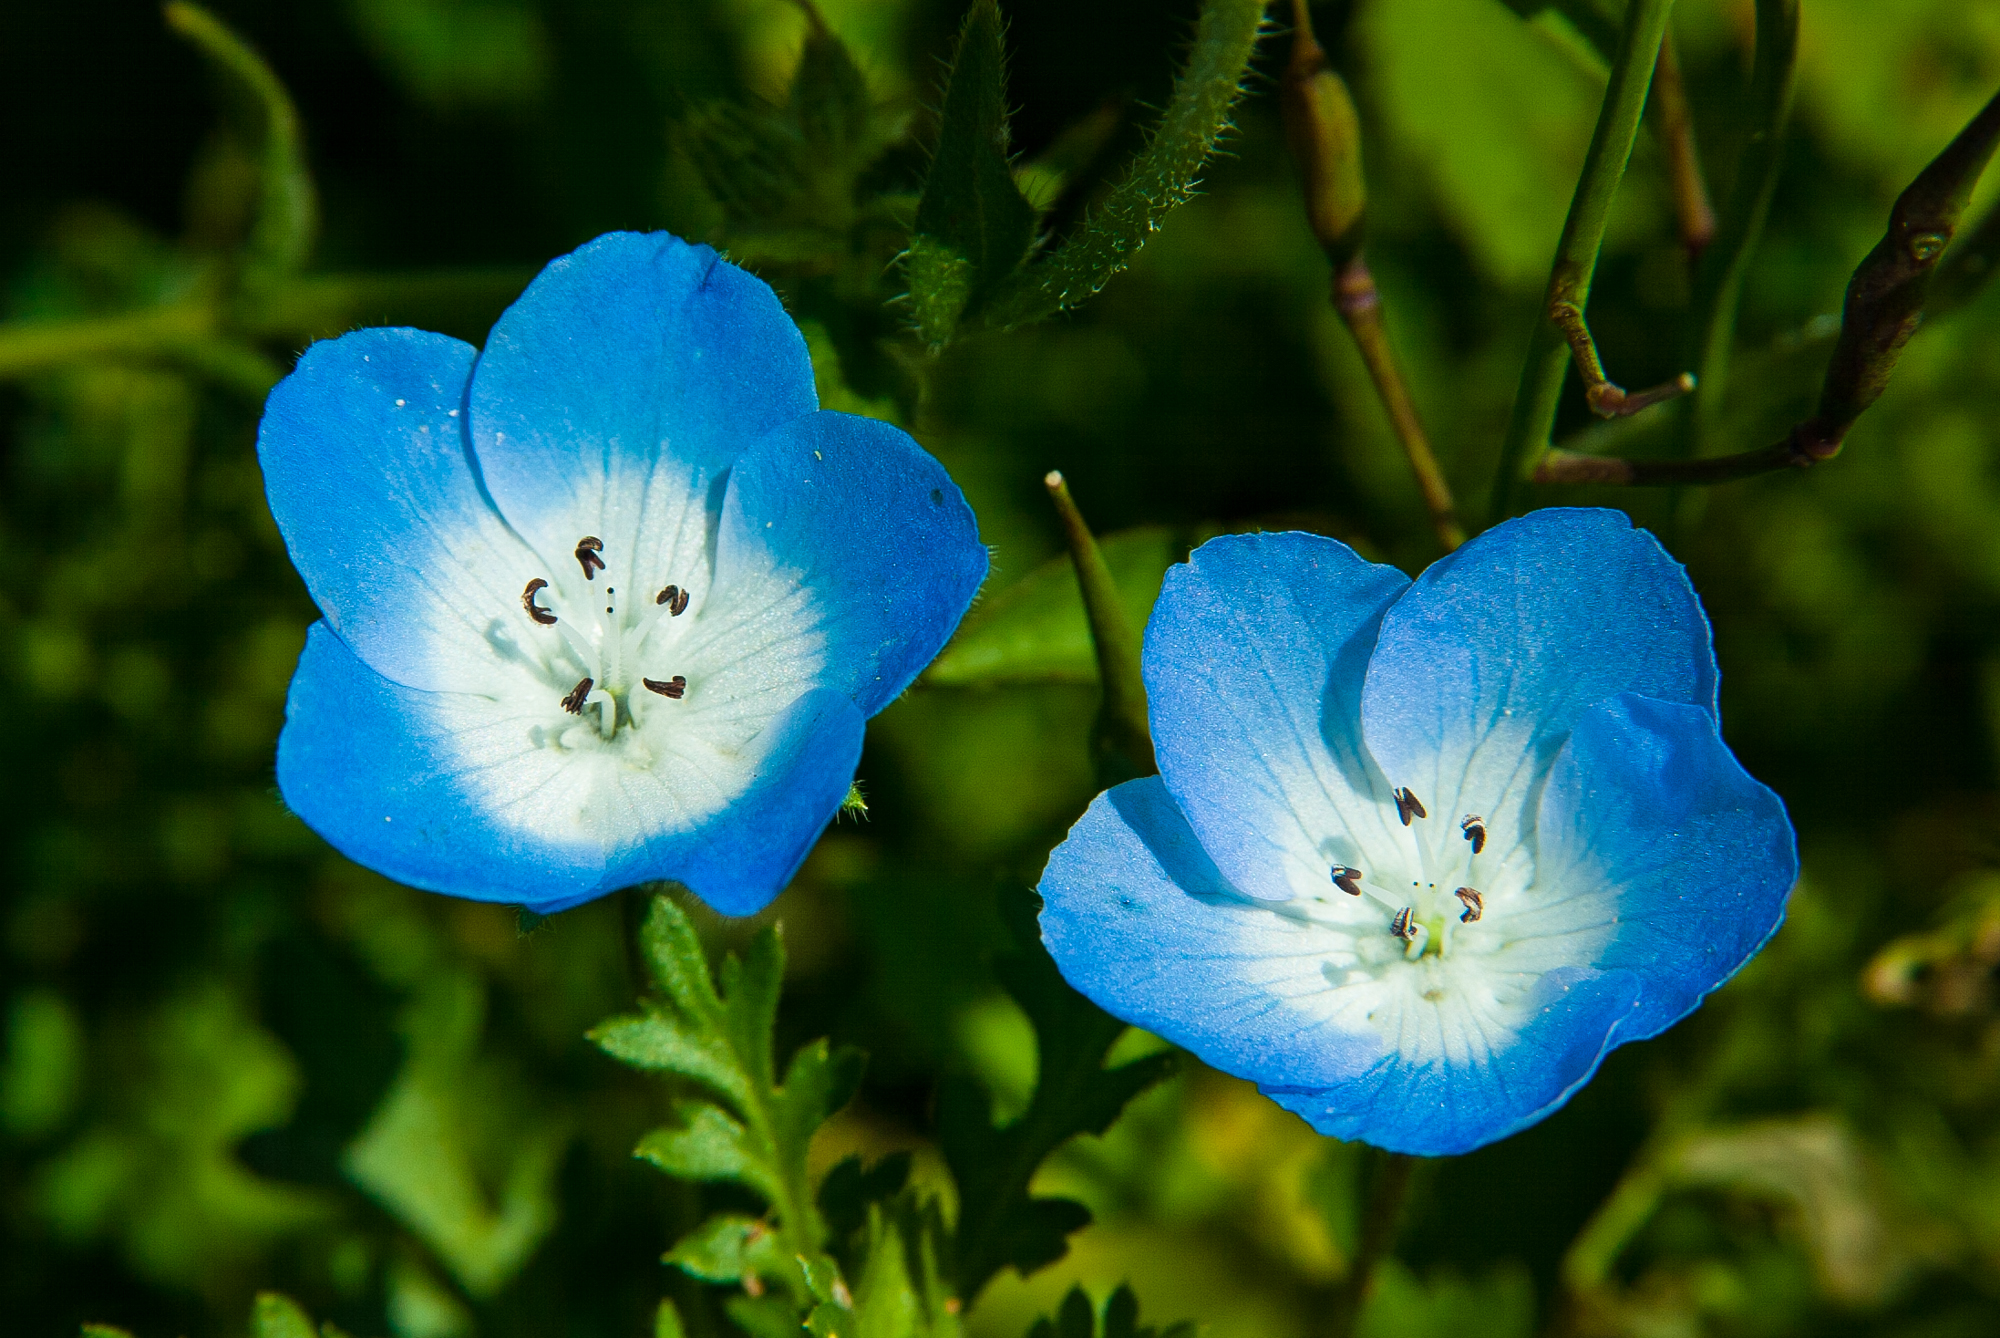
point(729, 1247)
point(710, 1144)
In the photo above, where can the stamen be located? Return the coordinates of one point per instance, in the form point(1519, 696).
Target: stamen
point(675, 687)
point(587, 549)
point(1404, 926)
point(1409, 806)
point(1474, 828)
point(574, 702)
point(536, 611)
point(1475, 905)
point(1347, 880)
point(676, 600)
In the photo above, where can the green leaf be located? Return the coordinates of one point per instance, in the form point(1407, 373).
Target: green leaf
point(1075, 1319)
point(973, 225)
point(1120, 1319)
point(278, 1316)
point(756, 1134)
point(1035, 631)
point(667, 1322)
point(104, 1331)
point(656, 1041)
point(999, 1225)
point(708, 1144)
point(1164, 176)
point(458, 1150)
point(819, 1081)
point(287, 217)
point(727, 1247)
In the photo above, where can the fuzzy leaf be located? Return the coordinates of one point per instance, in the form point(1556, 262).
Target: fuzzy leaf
point(656, 1041)
point(708, 1144)
point(973, 225)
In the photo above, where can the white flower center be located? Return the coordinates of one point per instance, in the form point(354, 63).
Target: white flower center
point(602, 633)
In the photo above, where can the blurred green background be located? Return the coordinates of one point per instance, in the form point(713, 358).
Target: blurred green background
point(231, 1060)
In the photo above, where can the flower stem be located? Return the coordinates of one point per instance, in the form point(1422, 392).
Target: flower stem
point(1535, 403)
point(1719, 278)
point(1379, 1222)
point(1124, 717)
point(1325, 135)
point(1355, 298)
point(1674, 120)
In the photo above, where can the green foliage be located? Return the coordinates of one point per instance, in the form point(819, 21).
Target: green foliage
point(230, 1061)
point(1119, 1319)
point(749, 1129)
point(1000, 1223)
point(973, 227)
point(1035, 631)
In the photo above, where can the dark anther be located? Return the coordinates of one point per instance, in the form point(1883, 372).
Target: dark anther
point(536, 611)
point(574, 702)
point(1474, 828)
point(1475, 905)
point(1409, 806)
point(675, 687)
point(675, 598)
point(1404, 926)
point(587, 549)
point(1347, 880)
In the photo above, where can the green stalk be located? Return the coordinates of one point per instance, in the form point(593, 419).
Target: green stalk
point(1719, 280)
point(1535, 403)
point(1124, 717)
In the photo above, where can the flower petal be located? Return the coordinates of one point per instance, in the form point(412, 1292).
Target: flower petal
point(1254, 662)
point(613, 394)
point(1649, 822)
point(1486, 662)
point(800, 769)
point(1139, 920)
point(365, 464)
point(464, 794)
point(1478, 1092)
point(855, 521)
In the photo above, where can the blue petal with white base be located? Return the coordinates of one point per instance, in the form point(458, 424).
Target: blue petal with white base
point(1298, 898)
point(607, 603)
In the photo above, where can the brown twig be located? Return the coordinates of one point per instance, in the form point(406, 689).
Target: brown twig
point(1693, 211)
point(1325, 135)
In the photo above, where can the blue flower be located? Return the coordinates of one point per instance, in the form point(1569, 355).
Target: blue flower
point(1420, 853)
point(607, 602)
